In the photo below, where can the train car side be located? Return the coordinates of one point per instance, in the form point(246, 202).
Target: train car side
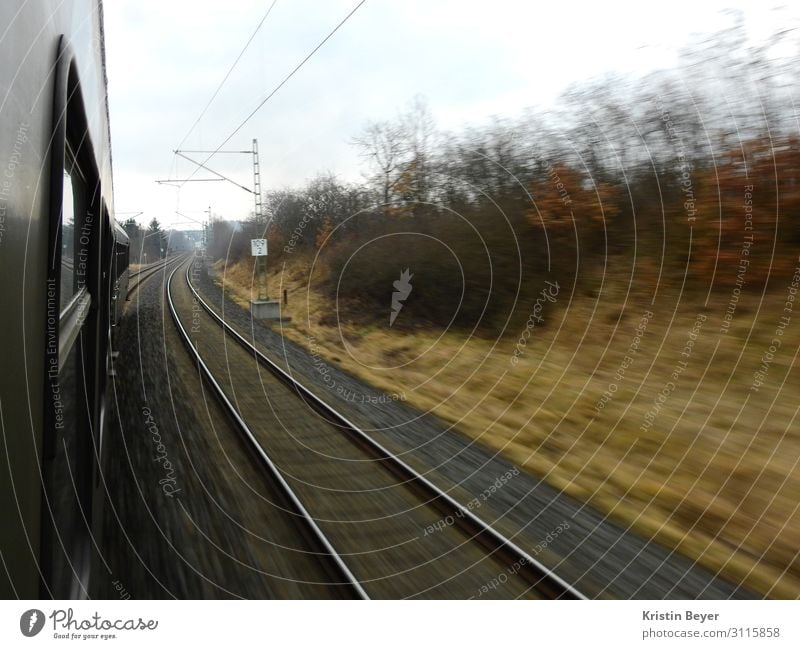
point(56, 264)
point(119, 273)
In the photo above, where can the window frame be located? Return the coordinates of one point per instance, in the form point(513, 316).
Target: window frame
point(66, 562)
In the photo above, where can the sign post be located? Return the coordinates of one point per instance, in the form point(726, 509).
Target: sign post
point(258, 248)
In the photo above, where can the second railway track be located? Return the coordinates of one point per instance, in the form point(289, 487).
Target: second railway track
point(145, 273)
point(370, 511)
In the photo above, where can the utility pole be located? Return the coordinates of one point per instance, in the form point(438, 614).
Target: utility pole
point(259, 216)
point(206, 228)
point(257, 182)
point(263, 307)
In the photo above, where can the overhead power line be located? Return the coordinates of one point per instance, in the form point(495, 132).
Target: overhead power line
point(228, 74)
point(216, 173)
point(283, 83)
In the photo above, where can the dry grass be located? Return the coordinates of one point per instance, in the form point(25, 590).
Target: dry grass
point(715, 475)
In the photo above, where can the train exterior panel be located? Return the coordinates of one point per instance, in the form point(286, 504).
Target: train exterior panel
point(57, 261)
point(119, 273)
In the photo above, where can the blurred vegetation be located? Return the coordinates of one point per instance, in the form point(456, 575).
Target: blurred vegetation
point(149, 244)
point(625, 174)
point(674, 195)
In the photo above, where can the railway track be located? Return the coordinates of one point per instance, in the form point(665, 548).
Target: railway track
point(228, 531)
point(148, 271)
point(143, 268)
point(387, 529)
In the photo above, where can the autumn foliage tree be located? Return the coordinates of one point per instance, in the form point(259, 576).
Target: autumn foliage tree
point(746, 217)
point(323, 232)
point(573, 212)
point(669, 179)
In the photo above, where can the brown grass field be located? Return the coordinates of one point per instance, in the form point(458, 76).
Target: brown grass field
point(709, 467)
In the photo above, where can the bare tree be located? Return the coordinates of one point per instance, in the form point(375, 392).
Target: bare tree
point(401, 155)
point(417, 127)
point(384, 143)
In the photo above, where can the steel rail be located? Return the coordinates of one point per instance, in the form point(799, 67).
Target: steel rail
point(156, 264)
point(349, 579)
point(541, 577)
point(146, 273)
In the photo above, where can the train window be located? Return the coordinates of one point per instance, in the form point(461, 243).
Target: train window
point(75, 390)
point(73, 252)
point(67, 242)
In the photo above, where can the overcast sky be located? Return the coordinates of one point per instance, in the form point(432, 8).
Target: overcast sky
point(470, 60)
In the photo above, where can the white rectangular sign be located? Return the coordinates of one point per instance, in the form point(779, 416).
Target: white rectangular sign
point(258, 247)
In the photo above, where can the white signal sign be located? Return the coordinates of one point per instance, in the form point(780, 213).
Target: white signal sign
point(258, 247)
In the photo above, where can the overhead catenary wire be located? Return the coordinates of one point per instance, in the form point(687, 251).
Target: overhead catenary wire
point(227, 74)
point(281, 84)
point(216, 173)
